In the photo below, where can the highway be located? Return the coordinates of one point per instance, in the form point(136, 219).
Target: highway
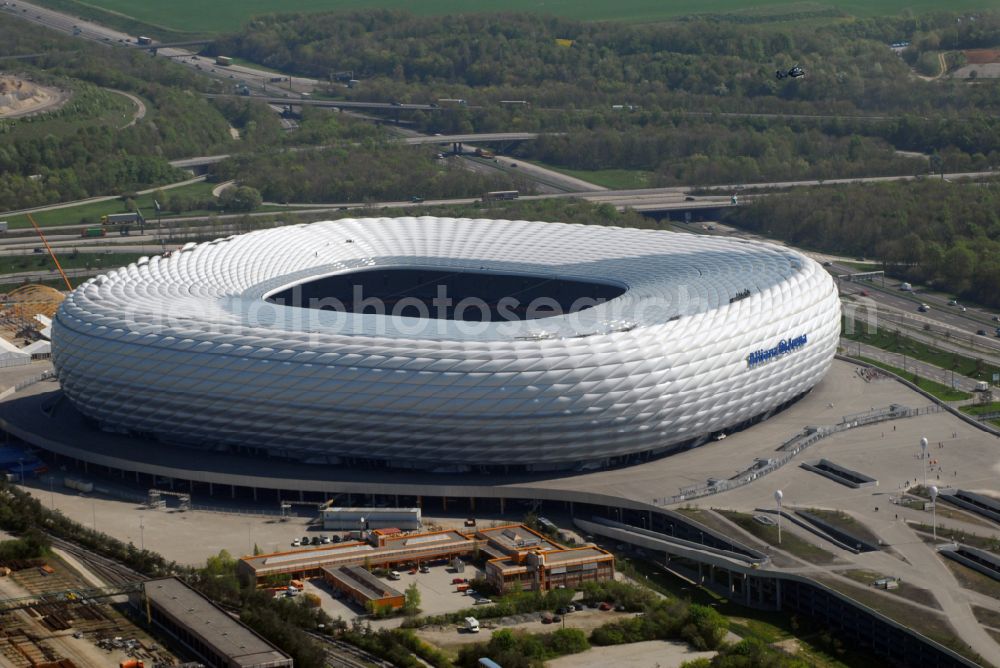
point(200, 161)
point(291, 87)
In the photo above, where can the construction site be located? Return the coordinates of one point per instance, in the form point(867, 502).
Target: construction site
point(53, 616)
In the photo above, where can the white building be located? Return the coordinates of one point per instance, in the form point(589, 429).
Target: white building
point(600, 345)
point(358, 519)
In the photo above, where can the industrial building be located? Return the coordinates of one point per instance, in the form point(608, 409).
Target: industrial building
point(330, 343)
point(553, 569)
point(521, 559)
point(212, 635)
point(518, 558)
point(363, 588)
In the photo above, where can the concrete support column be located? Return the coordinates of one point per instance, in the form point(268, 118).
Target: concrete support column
point(302, 496)
point(444, 503)
point(420, 502)
point(397, 500)
point(472, 503)
point(254, 493)
point(137, 476)
point(232, 491)
point(210, 489)
point(501, 504)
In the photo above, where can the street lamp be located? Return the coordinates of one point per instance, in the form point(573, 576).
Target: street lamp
point(142, 535)
point(923, 457)
point(778, 496)
point(21, 462)
point(934, 494)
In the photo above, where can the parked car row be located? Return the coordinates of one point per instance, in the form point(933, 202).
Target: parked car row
point(316, 540)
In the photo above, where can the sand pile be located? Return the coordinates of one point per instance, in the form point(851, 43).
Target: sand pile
point(19, 97)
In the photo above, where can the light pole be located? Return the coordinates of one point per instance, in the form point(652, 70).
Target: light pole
point(52, 492)
point(923, 457)
point(777, 497)
point(142, 535)
point(249, 540)
point(21, 462)
point(93, 510)
point(934, 494)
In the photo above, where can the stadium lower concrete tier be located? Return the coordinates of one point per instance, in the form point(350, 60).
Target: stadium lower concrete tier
point(41, 416)
point(448, 345)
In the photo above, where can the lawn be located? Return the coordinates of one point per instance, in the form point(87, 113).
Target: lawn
point(942, 392)
point(194, 16)
point(905, 589)
point(932, 625)
point(56, 283)
point(981, 409)
point(973, 579)
point(71, 260)
point(986, 616)
point(90, 214)
point(789, 542)
point(845, 523)
point(896, 342)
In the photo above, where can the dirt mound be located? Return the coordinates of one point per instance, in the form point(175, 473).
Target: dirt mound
point(19, 97)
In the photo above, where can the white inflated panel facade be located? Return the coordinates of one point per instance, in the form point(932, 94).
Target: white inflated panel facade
point(185, 349)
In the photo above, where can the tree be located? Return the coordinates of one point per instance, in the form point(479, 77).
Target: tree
point(412, 605)
point(240, 198)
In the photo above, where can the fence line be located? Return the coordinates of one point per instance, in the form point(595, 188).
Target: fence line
point(792, 447)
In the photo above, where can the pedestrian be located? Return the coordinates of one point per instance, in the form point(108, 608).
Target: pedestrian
point(894, 427)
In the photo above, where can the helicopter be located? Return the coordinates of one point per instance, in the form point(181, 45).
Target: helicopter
point(793, 73)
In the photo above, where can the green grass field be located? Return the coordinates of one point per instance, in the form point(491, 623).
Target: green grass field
point(193, 16)
point(897, 342)
point(69, 260)
point(942, 392)
point(91, 213)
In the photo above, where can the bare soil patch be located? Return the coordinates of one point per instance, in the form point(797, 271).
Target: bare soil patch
point(982, 56)
point(20, 97)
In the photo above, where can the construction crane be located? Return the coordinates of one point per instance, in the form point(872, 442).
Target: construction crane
point(51, 253)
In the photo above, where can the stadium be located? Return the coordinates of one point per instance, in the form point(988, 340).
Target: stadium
point(447, 345)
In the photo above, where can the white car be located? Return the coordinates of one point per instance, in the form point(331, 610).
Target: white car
point(296, 542)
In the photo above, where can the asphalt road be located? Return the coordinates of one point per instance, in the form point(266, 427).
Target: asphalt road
point(254, 78)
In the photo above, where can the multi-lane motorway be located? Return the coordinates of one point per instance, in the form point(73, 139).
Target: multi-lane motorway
point(257, 79)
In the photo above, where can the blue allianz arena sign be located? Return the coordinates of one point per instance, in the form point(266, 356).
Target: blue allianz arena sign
point(784, 347)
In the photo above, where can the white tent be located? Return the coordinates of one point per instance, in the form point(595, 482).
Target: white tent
point(46, 321)
point(38, 349)
point(11, 355)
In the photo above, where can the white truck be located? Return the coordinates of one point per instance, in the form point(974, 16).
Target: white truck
point(982, 386)
point(471, 625)
point(906, 287)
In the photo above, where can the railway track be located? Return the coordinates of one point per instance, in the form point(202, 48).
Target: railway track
point(340, 654)
point(108, 570)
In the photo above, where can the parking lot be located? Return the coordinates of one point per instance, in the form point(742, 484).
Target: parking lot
point(437, 594)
